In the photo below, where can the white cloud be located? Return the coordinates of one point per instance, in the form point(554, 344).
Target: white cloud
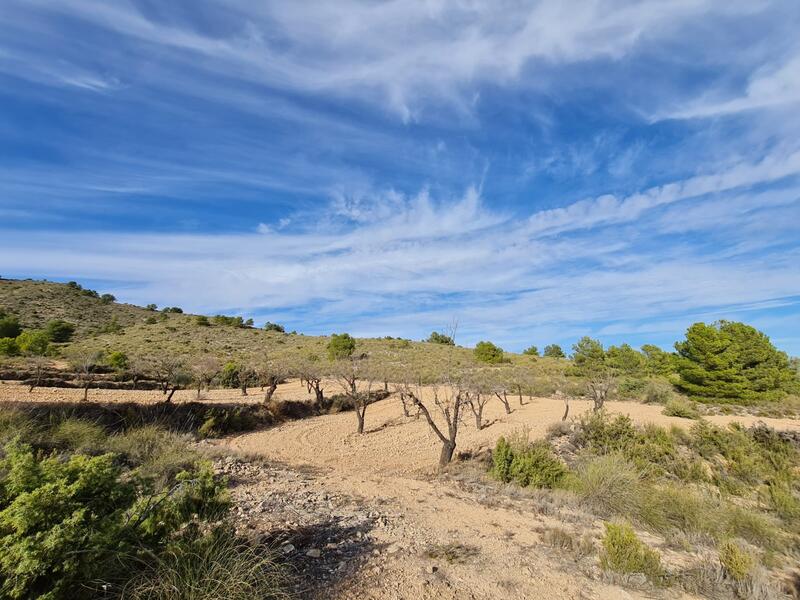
point(416, 267)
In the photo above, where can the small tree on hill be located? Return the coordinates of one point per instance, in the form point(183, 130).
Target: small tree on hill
point(531, 351)
point(591, 362)
point(341, 346)
point(311, 371)
point(172, 374)
point(440, 338)
point(554, 351)
point(269, 373)
point(9, 327)
point(59, 331)
point(625, 360)
point(487, 352)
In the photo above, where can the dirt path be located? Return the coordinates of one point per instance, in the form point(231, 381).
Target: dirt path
point(497, 543)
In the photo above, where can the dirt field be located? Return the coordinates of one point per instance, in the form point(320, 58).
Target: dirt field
point(388, 475)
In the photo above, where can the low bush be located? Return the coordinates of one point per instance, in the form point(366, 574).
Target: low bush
point(71, 527)
point(680, 407)
point(78, 435)
point(623, 552)
point(737, 561)
point(216, 567)
point(658, 392)
point(159, 454)
point(527, 464)
point(607, 485)
point(9, 347)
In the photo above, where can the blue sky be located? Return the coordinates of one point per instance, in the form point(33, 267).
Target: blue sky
point(537, 170)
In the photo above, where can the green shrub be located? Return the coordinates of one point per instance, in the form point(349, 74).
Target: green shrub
point(78, 435)
point(526, 464)
point(341, 346)
point(487, 352)
point(623, 552)
point(59, 331)
point(554, 351)
point(35, 342)
point(202, 321)
point(440, 338)
point(679, 407)
point(737, 562)
point(70, 527)
point(8, 347)
point(531, 351)
point(9, 327)
point(270, 326)
point(607, 485)
point(117, 360)
point(14, 424)
point(216, 567)
point(601, 434)
point(671, 508)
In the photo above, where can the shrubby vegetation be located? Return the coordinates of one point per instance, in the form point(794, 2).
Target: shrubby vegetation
point(85, 514)
point(487, 352)
point(554, 351)
point(440, 338)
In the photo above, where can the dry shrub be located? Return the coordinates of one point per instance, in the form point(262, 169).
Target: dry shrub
point(607, 485)
point(219, 567)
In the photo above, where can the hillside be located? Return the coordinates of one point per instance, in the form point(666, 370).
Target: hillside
point(35, 303)
point(141, 331)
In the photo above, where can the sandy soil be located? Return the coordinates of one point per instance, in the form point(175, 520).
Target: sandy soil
point(392, 465)
point(390, 469)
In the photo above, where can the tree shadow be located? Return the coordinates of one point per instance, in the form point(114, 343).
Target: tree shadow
point(324, 557)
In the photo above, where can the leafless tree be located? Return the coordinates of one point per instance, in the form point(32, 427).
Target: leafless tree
point(349, 372)
point(138, 368)
point(477, 401)
point(599, 385)
point(310, 371)
point(204, 370)
point(39, 365)
point(85, 362)
point(172, 374)
point(248, 376)
point(270, 373)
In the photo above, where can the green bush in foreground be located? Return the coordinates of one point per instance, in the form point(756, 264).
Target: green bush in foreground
point(527, 464)
point(623, 552)
point(70, 526)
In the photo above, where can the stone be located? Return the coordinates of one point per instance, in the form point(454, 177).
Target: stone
point(314, 553)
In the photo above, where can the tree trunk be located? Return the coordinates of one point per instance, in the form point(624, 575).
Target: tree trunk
point(519, 390)
point(566, 409)
point(198, 391)
point(360, 416)
point(504, 399)
point(171, 393)
point(446, 454)
point(244, 389)
point(270, 391)
point(135, 381)
point(477, 410)
point(86, 392)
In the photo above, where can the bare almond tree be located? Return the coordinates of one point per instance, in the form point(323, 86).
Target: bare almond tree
point(39, 365)
point(477, 401)
point(86, 362)
point(172, 374)
point(310, 371)
point(205, 369)
point(349, 373)
point(270, 373)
